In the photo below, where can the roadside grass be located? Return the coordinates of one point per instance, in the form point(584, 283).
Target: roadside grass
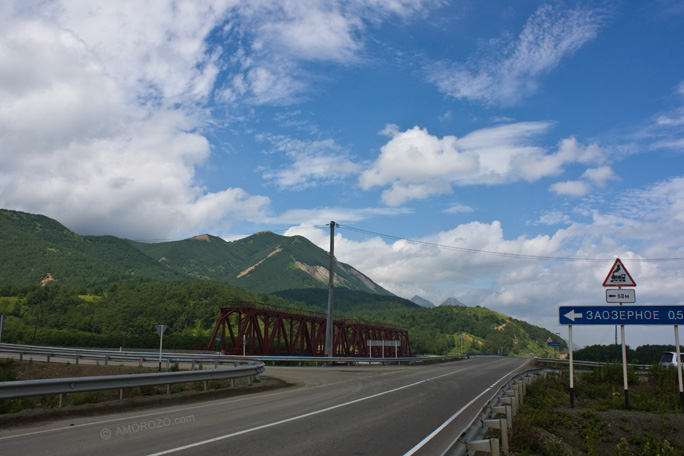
point(599, 424)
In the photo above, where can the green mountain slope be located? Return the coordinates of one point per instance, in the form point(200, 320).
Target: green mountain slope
point(36, 249)
point(57, 287)
point(264, 263)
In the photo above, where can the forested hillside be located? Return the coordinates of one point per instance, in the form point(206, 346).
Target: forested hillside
point(35, 249)
point(61, 288)
point(106, 316)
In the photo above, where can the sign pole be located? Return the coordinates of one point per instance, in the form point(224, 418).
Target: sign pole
point(160, 330)
point(624, 365)
point(624, 362)
point(679, 367)
point(572, 370)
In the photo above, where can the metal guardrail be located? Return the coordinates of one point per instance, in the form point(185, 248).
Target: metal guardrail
point(107, 356)
point(552, 361)
point(505, 403)
point(194, 359)
point(26, 388)
point(237, 368)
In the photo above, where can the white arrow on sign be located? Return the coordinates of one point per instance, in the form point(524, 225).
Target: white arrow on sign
point(572, 315)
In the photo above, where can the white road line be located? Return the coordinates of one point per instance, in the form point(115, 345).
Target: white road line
point(213, 403)
point(295, 418)
point(453, 417)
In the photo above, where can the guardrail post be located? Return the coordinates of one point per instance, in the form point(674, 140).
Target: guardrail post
point(488, 446)
point(168, 388)
point(518, 388)
point(122, 394)
point(215, 364)
point(510, 401)
point(206, 385)
point(502, 425)
point(140, 362)
point(504, 410)
point(514, 395)
point(106, 359)
point(62, 400)
point(192, 366)
point(48, 357)
point(77, 358)
point(249, 380)
point(232, 383)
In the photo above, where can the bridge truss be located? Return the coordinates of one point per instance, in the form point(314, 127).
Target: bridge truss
point(262, 330)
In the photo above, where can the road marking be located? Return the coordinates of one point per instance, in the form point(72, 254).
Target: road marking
point(295, 418)
point(213, 403)
point(422, 443)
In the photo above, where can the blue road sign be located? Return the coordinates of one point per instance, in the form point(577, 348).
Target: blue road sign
point(553, 344)
point(621, 315)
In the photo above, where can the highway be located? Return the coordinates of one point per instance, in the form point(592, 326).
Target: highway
point(340, 410)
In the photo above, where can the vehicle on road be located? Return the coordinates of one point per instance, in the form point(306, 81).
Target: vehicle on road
point(669, 359)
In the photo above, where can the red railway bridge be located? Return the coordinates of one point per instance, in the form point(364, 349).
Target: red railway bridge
point(261, 330)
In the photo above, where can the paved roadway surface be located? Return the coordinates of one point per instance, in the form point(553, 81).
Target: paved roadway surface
point(363, 410)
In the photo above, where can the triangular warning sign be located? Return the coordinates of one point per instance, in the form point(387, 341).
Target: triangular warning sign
point(618, 276)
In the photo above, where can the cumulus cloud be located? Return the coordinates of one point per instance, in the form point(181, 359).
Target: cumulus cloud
point(417, 165)
point(479, 265)
point(510, 73)
point(78, 131)
point(592, 177)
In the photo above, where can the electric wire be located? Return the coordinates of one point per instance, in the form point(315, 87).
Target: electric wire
point(502, 254)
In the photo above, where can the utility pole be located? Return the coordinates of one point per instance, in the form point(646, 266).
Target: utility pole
point(331, 286)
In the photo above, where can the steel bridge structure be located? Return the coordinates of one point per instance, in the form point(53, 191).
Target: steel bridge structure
point(256, 329)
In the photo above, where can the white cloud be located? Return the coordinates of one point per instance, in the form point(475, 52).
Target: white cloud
point(74, 134)
point(510, 73)
point(313, 163)
point(305, 218)
point(667, 131)
point(479, 265)
point(458, 208)
point(599, 176)
point(571, 188)
point(277, 40)
point(592, 177)
point(417, 165)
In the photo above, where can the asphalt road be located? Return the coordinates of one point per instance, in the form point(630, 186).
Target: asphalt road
point(362, 410)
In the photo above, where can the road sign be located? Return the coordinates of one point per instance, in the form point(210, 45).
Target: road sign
point(618, 276)
point(553, 344)
point(161, 329)
point(615, 295)
point(621, 315)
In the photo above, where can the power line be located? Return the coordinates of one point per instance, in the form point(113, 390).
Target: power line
point(502, 254)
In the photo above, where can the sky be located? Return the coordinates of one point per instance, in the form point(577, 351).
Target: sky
point(502, 153)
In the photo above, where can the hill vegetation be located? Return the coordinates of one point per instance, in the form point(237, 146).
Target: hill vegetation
point(57, 287)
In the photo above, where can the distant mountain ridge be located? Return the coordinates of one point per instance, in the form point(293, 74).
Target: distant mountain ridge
point(35, 248)
point(421, 301)
point(452, 302)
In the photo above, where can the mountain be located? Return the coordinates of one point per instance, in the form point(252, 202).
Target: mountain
point(36, 248)
point(452, 302)
point(421, 301)
point(101, 287)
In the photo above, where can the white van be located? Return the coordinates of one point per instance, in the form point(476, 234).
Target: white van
point(669, 359)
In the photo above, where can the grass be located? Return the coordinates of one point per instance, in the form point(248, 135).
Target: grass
point(600, 424)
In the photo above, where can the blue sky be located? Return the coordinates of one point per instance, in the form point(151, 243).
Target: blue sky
point(503, 153)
